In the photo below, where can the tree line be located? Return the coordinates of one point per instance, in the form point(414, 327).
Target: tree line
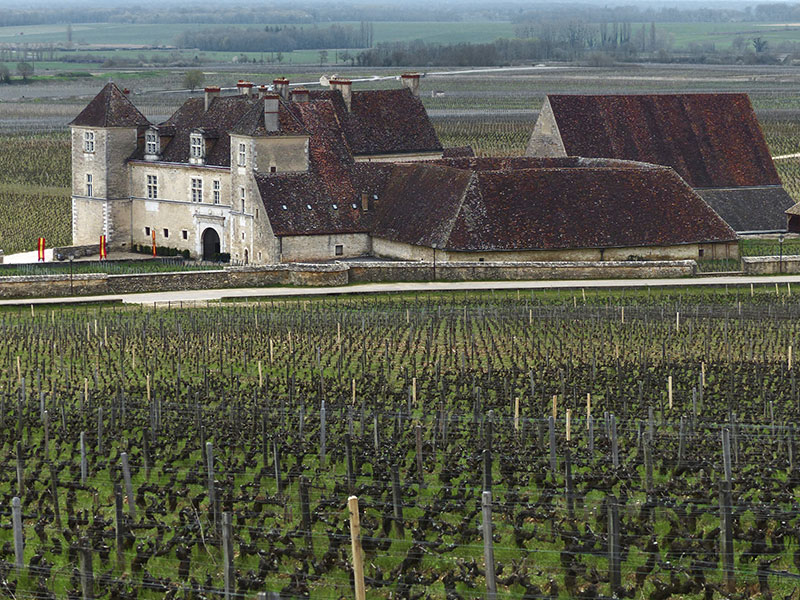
point(277, 38)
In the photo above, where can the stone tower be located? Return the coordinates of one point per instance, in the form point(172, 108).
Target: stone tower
point(104, 135)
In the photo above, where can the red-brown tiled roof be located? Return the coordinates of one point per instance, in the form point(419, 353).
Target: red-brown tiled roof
point(252, 122)
point(543, 208)
point(383, 122)
point(110, 108)
point(711, 140)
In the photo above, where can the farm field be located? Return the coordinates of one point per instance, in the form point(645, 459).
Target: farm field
point(596, 419)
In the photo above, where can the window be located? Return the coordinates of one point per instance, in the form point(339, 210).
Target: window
point(256, 213)
point(151, 145)
point(197, 189)
point(338, 249)
point(242, 155)
point(88, 141)
point(152, 186)
point(166, 233)
point(89, 186)
point(273, 169)
point(216, 187)
point(196, 146)
point(185, 234)
point(242, 197)
point(147, 231)
point(700, 253)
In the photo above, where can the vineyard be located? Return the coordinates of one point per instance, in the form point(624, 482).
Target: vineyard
point(635, 444)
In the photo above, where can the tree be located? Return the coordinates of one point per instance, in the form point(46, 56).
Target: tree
point(279, 57)
point(25, 70)
point(323, 57)
point(193, 79)
point(5, 74)
point(760, 44)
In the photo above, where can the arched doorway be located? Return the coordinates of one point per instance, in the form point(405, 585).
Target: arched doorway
point(211, 247)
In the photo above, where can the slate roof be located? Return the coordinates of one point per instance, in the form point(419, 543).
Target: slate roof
point(711, 140)
point(252, 122)
point(479, 208)
point(383, 121)
point(750, 209)
point(110, 108)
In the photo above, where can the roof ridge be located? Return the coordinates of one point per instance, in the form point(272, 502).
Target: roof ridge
point(473, 176)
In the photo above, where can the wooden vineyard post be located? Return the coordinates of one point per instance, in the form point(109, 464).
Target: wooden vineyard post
point(397, 502)
point(669, 392)
point(19, 544)
point(648, 466)
point(590, 434)
point(87, 573)
point(614, 556)
point(488, 545)
point(726, 534)
point(569, 485)
point(119, 523)
point(46, 418)
point(227, 555)
point(126, 474)
point(20, 470)
point(355, 542)
point(516, 415)
point(569, 424)
point(588, 409)
point(348, 449)
point(726, 455)
point(551, 426)
point(487, 471)
point(212, 496)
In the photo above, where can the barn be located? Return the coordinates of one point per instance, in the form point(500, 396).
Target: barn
point(713, 141)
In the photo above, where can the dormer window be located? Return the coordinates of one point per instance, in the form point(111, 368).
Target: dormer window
point(152, 145)
point(196, 148)
point(88, 141)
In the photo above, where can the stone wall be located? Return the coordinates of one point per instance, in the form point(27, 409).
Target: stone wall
point(770, 265)
point(371, 271)
point(335, 274)
point(64, 252)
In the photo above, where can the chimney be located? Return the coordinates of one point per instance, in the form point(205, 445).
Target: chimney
point(245, 87)
point(263, 90)
point(271, 103)
point(211, 93)
point(411, 81)
point(282, 87)
point(126, 91)
point(343, 85)
point(300, 95)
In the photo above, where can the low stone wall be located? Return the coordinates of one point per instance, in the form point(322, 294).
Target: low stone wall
point(372, 271)
point(64, 252)
point(334, 274)
point(770, 265)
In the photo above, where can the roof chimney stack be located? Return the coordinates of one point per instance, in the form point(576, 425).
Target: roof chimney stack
point(263, 90)
point(344, 86)
point(281, 85)
point(300, 95)
point(211, 93)
point(271, 104)
point(245, 87)
point(411, 81)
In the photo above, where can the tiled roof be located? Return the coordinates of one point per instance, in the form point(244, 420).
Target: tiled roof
point(750, 209)
point(458, 152)
point(252, 122)
point(383, 122)
point(110, 108)
point(711, 140)
point(543, 208)
point(222, 114)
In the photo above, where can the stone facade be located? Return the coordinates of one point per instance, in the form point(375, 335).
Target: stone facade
point(398, 250)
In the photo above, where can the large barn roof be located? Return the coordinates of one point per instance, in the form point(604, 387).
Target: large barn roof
point(470, 205)
point(711, 140)
point(110, 108)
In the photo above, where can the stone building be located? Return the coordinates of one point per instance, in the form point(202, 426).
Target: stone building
point(713, 141)
point(273, 175)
